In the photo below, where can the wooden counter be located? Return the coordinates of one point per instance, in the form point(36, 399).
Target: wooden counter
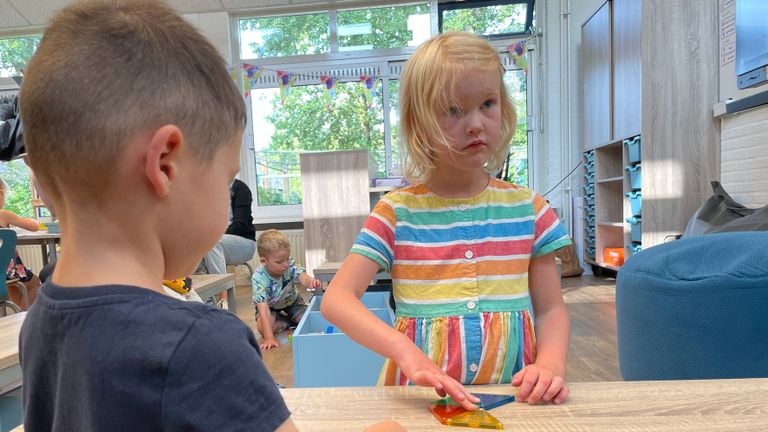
point(10, 371)
point(714, 405)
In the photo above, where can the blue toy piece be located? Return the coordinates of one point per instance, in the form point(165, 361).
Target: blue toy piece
point(491, 401)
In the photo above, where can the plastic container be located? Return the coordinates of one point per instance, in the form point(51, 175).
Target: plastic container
point(589, 156)
point(589, 178)
point(324, 359)
point(635, 176)
point(590, 210)
point(591, 252)
point(633, 149)
point(590, 241)
point(635, 247)
point(590, 230)
point(635, 202)
point(590, 220)
point(590, 199)
point(589, 188)
point(590, 167)
point(613, 256)
point(636, 229)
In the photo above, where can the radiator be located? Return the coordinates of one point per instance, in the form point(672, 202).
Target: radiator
point(31, 256)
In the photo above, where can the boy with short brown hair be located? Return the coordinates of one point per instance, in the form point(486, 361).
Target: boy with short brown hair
point(133, 128)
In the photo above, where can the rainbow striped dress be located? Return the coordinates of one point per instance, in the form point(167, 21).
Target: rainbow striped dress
point(460, 275)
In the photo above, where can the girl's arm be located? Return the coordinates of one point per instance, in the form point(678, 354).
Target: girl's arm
point(543, 380)
point(341, 305)
point(12, 218)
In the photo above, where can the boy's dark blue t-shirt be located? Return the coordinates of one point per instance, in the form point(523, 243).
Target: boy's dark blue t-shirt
point(123, 358)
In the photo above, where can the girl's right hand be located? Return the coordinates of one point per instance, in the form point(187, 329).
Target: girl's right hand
point(423, 372)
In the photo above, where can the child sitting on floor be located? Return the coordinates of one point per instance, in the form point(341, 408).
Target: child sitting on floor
point(278, 303)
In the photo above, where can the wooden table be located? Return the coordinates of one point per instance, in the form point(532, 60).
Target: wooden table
point(46, 240)
point(10, 371)
point(713, 405)
point(208, 285)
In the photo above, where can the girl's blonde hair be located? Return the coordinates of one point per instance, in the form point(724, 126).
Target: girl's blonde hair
point(436, 66)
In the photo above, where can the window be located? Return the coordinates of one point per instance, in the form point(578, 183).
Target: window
point(15, 53)
point(281, 36)
point(492, 18)
point(346, 44)
point(388, 27)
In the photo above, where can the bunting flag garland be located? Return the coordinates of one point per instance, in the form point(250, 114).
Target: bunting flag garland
point(368, 82)
point(285, 81)
point(329, 83)
point(518, 55)
point(252, 74)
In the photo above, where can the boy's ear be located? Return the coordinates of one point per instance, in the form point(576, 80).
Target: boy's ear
point(262, 260)
point(161, 164)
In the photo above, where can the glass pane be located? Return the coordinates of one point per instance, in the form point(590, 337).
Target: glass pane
point(18, 199)
point(307, 122)
point(517, 86)
point(288, 35)
point(387, 27)
point(487, 20)
point(394, 126)
point(15, 53)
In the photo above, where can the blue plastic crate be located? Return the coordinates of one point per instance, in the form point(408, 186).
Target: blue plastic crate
point(590, 230)
point(590, 199)
point(590, 241)
point(590, 220)
point(589, 156)
point(636, 229)
point(589, 178)
point(589, 188)
point(322, 359)
point(590, 210)
point(589, 167)
point(590, 252)
point(633, 149)
point(635, 176)
point(635, 202)
point(635, 247)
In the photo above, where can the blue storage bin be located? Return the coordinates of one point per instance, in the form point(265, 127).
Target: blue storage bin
point(636, 229)
point(589, 188)
point(591, 252)
point(590, 167)
point(633, 149)
point(590, 199)
point(590, 230)
point(635, 176)
point(635, 202)
point(591, 241)
point(322, 359)
point(589, 210)
point(635, 247)
point(589, 156)
point(590, 220)
point(589, 178)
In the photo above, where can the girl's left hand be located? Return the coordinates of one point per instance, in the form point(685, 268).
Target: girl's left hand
point(536, 384)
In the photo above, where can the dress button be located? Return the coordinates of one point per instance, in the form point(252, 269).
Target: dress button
point(469, 254)
point(473, 367)
point(471, 305)
point(463, 207)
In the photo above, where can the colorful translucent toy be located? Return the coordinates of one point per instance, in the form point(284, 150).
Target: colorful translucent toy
point(490, 401)
point(450, 412)
point(478, 418)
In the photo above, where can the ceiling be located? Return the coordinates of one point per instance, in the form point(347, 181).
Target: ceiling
point(29, 16)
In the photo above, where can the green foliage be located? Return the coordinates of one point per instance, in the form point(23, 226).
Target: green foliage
point(389, 26)
point(290, 35)
point(502, 19)
point(15, 53)
point(19, 197)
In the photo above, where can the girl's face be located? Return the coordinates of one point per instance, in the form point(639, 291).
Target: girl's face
point(472, 127)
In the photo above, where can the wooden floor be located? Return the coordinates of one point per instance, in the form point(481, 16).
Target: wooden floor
point(592, 355)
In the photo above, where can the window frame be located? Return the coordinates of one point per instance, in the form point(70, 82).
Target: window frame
point(474, 4)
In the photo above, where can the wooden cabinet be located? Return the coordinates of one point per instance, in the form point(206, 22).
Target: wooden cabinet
point(663, 82)
point(335, 202)
point(596, 54)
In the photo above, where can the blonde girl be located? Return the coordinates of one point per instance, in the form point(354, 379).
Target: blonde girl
point(15, 269)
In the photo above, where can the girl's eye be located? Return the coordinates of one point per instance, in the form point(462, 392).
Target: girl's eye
point(454, 111)
point(488, 103)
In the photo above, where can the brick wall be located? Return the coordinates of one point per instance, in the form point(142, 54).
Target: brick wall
point(744, 157)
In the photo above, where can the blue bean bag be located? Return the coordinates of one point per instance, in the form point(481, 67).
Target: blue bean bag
point(695, 308)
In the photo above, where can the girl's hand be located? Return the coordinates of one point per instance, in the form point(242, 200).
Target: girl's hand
point(421, 371)
point(268, 343)
point(536, 383)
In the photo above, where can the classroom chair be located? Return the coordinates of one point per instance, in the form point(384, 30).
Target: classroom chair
point(695, 309)
point(7, 251)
